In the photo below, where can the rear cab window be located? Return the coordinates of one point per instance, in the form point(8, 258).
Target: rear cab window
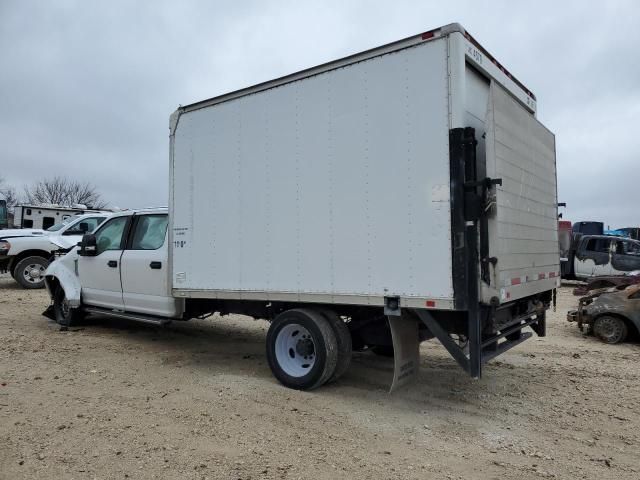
point(600, 245)
point(626, 247)
point(149, 232)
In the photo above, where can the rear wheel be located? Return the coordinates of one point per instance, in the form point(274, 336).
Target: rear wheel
point(302, 349)
point(610, 329)
point(345, 345)
point(63, 313)
point(29, 272)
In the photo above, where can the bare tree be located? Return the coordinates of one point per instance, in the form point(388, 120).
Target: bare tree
point(9, 194)
point(63, 191)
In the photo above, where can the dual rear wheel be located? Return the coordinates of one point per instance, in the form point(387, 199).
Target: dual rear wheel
point(307, 348)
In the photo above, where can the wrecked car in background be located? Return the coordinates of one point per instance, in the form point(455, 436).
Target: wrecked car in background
point(611, 314)
point(600, 255)
point(607, 281)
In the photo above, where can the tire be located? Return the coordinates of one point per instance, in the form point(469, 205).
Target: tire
point(302, 349)
point(345, 346)
point(610, 329)
point(63, 314)
point(29, 272)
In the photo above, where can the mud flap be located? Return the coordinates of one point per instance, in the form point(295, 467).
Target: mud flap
point(406, 350)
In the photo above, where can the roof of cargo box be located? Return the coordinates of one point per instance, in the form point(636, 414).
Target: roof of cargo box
point(357, 57)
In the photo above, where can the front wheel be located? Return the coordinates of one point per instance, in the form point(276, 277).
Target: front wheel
point(302, 349)
point(29, 272)
point(610, 329)
point(62, 311)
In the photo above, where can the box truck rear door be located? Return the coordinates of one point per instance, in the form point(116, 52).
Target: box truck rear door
point(522, 212)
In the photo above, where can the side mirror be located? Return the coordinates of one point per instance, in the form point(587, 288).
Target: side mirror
point(88, 246)
point(83, 227)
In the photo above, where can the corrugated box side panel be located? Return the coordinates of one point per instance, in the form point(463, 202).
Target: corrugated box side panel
point(337, 184)
point(523, 233)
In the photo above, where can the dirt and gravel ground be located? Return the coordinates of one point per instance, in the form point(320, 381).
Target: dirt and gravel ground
point(196, 400)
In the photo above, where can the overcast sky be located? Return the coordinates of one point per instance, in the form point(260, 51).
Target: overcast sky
point(86, 88)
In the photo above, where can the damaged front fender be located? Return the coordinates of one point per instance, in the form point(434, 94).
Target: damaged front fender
point(63, 272)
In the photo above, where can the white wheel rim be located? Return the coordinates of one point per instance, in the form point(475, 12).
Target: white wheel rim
point(33, 273)
point(295, 350)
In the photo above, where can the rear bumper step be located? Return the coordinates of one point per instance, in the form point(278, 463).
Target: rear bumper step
point(488, 354)
point(509, 329)
point(485, 348)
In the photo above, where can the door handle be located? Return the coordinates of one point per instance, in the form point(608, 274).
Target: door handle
point(156, 265)
point(112, 263)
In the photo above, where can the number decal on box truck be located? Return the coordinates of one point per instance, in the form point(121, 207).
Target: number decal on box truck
point(475, 54)
point(179, 232)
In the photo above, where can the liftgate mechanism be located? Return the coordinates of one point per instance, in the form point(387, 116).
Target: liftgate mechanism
point(469, 220)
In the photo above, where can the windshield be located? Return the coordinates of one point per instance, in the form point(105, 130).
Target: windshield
point(63, 223)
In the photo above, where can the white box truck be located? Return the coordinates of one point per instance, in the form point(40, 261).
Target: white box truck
point(399, 194)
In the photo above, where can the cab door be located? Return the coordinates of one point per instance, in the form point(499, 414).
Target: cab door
point(100, 274)
point(145, 280)
point(625, 257)
point(593, 258)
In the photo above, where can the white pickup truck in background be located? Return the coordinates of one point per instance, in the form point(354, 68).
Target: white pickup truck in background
point(26, 253)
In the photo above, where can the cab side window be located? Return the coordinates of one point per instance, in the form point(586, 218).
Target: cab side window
point(150, 232)
point(92, 223)
point(110, 236)
point(85, 226)
point(598, 245)
point(629, 248)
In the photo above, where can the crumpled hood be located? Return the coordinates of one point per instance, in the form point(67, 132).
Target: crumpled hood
point(22, 232)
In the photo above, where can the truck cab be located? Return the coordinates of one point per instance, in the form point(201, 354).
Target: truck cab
point(121, 267)
point(598, 255)
point(26, 254)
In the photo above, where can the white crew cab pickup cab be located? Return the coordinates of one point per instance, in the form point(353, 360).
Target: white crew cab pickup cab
point(121, 267)
point(27, 253)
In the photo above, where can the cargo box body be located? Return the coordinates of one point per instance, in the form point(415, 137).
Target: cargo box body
point(334, 185)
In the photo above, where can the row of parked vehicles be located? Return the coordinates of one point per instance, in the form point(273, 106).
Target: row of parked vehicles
point(27, 252)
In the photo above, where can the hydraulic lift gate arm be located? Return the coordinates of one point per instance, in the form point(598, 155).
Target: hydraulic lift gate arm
point(468, 206)
point(481, 348)
point(468, 196)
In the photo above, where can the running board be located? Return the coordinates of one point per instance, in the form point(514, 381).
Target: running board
point(136, 317)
